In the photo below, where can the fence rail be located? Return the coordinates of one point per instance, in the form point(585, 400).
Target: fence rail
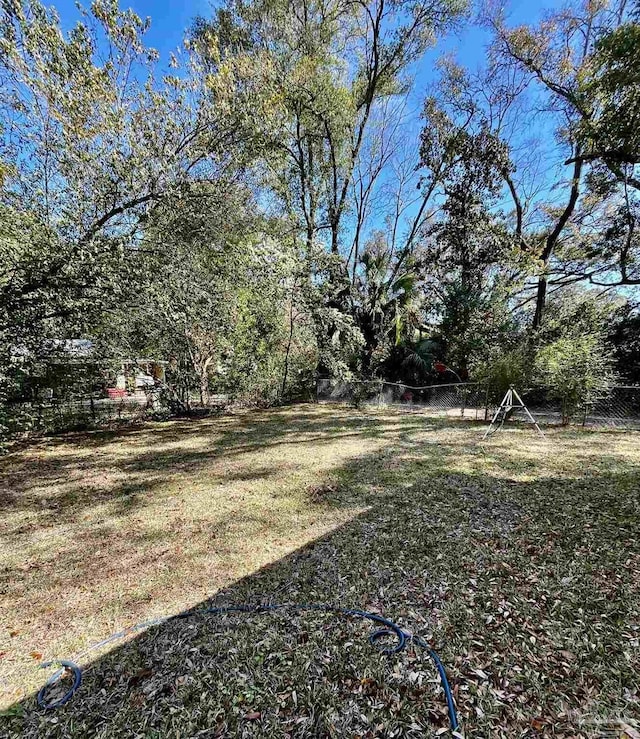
point(619, 407)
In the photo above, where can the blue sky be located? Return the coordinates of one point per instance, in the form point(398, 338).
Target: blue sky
point(170, 19)
point(471, 43)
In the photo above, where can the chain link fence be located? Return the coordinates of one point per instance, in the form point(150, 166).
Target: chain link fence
point(460, 400)
point(620, 407)
point(66, 414)
point(91, 411)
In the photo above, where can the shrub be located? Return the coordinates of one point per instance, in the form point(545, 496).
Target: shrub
point(577, 370)
point(502, 369)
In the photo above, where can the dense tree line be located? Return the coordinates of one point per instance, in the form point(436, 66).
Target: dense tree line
point(266, 206)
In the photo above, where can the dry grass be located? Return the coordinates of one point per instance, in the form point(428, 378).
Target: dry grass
point(520, 558)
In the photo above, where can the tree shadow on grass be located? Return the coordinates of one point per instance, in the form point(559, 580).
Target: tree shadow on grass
point(141, 460)
point(527, 586)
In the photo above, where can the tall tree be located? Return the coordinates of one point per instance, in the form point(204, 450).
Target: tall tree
point(467, 251)
point(562, 56)
point(315, 78)
point(214, 295)
point(92, 139)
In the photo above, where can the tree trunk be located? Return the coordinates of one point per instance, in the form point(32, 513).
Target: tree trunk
point(288, 351)
point(335, 244)
point(205, 398)
point(541, 300)
point(552, 240)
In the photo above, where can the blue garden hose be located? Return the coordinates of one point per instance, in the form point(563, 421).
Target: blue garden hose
point(65, 665)
point(451, 706)
point(389, 629)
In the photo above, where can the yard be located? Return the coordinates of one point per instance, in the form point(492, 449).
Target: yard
point(517, 559)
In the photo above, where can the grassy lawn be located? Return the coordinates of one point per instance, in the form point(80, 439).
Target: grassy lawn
point(518, 559)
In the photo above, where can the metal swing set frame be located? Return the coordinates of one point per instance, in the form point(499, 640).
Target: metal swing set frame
point(511, 401)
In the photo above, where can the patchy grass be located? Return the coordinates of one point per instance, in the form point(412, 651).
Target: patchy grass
point(518, 558)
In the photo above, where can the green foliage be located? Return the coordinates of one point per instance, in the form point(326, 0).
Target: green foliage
point(501, 368)
point(472, 325)
point(468, 250)
point(412, 361)
point(305, 89)
point(215, 298)
point(90, 146)
point(575, 360)
point(259, 217)
point(624, 337)
point(92, 141)
point(577, 371)
point(578, 312)
point(610, 87)
point(388, 302)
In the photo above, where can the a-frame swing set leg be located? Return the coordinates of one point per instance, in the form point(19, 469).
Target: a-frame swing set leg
point(507, 405)
point(506, 401)
point(526, 410)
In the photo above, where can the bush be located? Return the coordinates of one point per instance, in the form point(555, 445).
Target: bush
point(577, 370)
point(501, 370)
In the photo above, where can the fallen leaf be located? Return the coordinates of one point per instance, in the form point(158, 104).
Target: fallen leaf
point(141, 675)
point(630, 731)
